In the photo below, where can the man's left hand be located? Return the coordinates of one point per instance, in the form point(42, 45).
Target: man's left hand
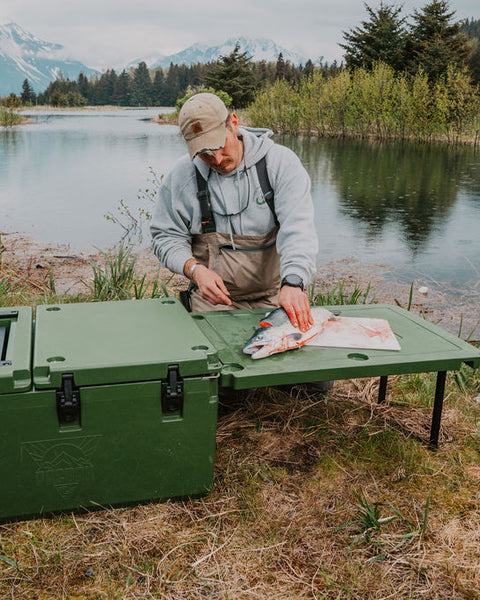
point(297, 306)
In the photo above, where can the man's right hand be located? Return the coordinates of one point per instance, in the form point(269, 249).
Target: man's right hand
point(211, 286)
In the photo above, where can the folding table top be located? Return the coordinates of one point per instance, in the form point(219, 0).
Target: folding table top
point(424, 348)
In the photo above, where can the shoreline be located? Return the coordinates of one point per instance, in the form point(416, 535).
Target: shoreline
point(38, 262)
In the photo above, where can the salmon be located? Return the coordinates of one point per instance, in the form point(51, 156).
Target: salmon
point(277, 334)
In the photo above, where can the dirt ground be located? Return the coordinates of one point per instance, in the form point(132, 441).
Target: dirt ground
point(456, 311)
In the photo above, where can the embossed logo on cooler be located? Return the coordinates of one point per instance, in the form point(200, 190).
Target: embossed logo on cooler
point(65, 465)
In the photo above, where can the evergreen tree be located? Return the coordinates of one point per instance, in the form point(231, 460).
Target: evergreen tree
point(435, 41)
point(308, 69)
point(104, 89)
point(281, 68)
point(158, 90)
point(233, 74)
point(84, 87)
point(27, 96)
point(381, 38)
point(141, 88)
point(471, 27)
point(474, 60)
point(121, 91)
point(172, 86)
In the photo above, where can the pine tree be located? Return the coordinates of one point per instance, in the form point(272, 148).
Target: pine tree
point(84, 87)
point(121, 91)
point(172, 86)
point(158, 89)
point(281, 68)
point(308, 69)
point(141, 88)
point(381, 38)
point(435, 41)
point(233, 74)
point(27, 96)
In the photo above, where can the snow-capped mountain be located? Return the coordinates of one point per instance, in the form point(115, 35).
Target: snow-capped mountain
point(258, 48)
point(24, 56)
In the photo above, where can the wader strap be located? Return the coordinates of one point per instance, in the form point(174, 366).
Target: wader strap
point(203, 195)
point(267, 189)
point(185, 295)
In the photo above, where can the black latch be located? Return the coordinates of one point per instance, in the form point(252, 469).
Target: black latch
point(172, 391)
point(68, 401)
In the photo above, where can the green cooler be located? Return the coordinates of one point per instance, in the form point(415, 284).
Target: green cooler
point(104, 404)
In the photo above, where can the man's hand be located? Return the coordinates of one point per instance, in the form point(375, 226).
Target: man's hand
point(297, 306)
point(211, 286)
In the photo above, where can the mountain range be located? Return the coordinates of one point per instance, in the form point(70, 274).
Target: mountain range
point(24, 56)
point(257, 48)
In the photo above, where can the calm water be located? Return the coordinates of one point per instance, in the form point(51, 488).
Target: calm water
point(415, 207)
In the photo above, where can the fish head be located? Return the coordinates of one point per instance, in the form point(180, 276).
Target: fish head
point(268, 340)
point(262, 337)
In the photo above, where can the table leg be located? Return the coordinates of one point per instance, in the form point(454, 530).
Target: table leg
point(437, 409)
point(382, 388)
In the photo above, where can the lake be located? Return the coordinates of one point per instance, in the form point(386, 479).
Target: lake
point(413, 206)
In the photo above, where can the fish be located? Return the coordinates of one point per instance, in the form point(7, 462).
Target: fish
point(276, 334)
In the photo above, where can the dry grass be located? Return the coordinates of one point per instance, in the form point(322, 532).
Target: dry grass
point(286, 518)
point(282, 519)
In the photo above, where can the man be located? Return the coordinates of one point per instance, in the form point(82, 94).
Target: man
point(215, 223)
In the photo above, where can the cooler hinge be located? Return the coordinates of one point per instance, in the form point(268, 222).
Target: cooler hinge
point(68, 401)
point(172, 391)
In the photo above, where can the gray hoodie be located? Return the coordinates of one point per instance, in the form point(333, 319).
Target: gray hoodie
point(238, 205)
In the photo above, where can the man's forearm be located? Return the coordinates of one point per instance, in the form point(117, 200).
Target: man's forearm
point(188, 266)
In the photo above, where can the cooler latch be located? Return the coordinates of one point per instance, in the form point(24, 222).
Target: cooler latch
point(172, 391)
point(68, 401)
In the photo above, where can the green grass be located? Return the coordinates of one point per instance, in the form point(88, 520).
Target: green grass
point(9, 118)
point(117, 279)
point(325, 294)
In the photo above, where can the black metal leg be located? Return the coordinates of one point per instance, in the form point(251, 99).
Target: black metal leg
point(382, 388)
point(437, 409)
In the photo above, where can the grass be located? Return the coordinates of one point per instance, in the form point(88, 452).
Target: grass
point(314, 497)
point(328, 499)
point(117, 278)
point(9, 118)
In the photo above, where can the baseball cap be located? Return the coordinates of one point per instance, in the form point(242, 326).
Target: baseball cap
point(202, 123)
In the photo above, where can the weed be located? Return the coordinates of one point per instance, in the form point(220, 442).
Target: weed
point(9, 118)
point(115, 280)
point(133, 220)
point(337, 294)
point(368, 518)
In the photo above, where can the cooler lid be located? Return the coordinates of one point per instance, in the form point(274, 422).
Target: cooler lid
point(118, 342)
point(15, 349)
point(424, 348)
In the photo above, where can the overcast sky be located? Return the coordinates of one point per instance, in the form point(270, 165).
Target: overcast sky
point(105, 33)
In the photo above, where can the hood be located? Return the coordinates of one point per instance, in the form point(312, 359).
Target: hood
point(257, 142)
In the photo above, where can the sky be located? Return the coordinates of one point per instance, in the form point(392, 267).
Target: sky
point(112, 33)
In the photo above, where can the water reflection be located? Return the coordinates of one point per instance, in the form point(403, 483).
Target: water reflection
point(415, 207)
point(414, 185)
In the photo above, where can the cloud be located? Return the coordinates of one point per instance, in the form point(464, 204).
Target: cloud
point(108, 33)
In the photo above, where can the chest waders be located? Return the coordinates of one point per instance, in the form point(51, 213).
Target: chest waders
point(250, 267)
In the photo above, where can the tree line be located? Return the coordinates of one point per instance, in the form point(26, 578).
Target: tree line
point(139, 86)
point(415, 80)
point(428, 43)
point(429, 40)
